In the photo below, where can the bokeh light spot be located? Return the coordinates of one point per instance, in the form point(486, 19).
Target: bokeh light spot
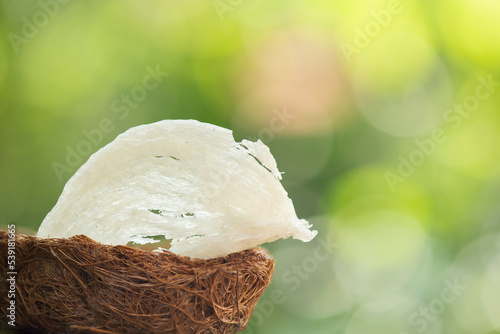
point(401, 86)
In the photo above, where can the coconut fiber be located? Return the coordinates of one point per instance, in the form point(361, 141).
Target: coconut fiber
point(78, 285)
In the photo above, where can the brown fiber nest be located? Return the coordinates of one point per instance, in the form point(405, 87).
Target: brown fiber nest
point(78, 285)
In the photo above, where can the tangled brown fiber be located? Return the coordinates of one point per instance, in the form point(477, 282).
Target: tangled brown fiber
point(78, 285)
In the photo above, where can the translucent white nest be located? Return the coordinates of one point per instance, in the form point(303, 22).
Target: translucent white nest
point(182, 179)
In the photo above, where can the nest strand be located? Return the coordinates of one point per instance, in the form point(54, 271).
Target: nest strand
point(77, 285)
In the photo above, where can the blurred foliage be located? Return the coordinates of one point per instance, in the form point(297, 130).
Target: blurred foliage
point(383, 115)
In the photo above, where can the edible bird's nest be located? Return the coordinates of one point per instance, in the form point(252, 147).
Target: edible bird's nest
point(78, 285)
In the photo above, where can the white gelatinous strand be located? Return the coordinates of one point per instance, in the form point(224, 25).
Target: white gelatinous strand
point(182, 179)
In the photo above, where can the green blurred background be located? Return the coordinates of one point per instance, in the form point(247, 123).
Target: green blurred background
point(382, 115)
